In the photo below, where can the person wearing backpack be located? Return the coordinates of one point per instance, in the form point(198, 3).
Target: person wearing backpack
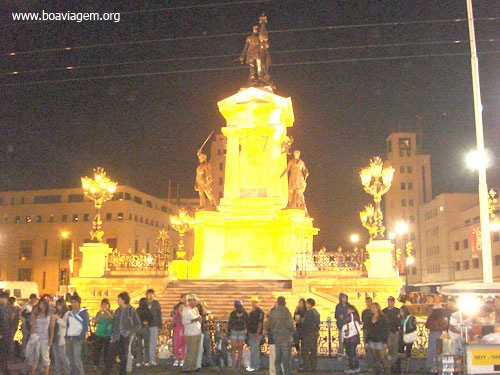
point(61, 361)
point(351, 338)
point(126, 323)
point(77, 323)
point(409, 331)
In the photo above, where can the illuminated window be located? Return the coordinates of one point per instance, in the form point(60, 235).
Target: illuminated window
point(75, 217)
point(17, 220)
point(24, 274)
point(39, 219)
point(28, 219)
point(120, 216)
point(25, 250)
point(66, 245)
point(86, 217)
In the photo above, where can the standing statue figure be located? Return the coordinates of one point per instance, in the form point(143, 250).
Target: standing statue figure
point(256, 54)
point(297, 181)
point(203, 183)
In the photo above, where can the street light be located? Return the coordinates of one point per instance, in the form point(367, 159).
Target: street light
point(354, 238)
point(401, 227)
point(475, 160)
point(181, 224)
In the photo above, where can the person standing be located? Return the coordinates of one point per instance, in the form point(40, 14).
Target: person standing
point(26, 311)
point(142, 340)
point(15, 312)
point(61, 362)
point(310, 335)
point(179, 340)
point(4, 334)
point(42, 334)
point(237, 327)
point(255, 326)
point(409, 325)
point(102, 341)
point(154, 326)
point(392, 314)
point(436, 324)
point(77, 322)
point(191, 320)
point(282, 327)
point(126, 323)
point(366, 316)
point(351, 335)
point(298, 316)
point(340, 315)
point(377, 334)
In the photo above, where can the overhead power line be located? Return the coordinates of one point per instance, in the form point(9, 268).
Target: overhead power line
point(316, 49)
point(183, 71)
point(164, 40)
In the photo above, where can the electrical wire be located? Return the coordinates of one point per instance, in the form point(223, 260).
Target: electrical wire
point(146, 74)
point(163, 40)
point(385, 45)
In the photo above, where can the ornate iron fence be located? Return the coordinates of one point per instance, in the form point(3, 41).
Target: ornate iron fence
point(118, 261)
point(340, 260)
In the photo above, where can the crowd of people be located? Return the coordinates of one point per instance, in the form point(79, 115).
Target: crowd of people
point(58, 331)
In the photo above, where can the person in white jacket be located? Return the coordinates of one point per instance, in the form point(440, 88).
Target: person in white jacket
point(191, 320)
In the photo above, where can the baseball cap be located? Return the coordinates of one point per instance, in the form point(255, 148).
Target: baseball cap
point(391, 298)
point(191, 296)
point(489, 299)
point(238, 303)
point(254, 299)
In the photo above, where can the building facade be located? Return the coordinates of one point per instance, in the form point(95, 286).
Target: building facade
point(42, 230)
point(411, 187)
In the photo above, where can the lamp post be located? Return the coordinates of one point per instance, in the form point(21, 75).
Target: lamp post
point(376, 181)
point(181, 224)
point(99, 190)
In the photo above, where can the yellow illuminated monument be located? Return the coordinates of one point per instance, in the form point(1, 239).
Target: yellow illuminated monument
point(252, 234)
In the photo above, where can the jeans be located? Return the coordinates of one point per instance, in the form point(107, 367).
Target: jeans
point(254, 343)
point(352, 356)
point(61, 361)
point(310, 351)
point(283, 357)
point(74, 347)
point(120, 348)
point(393, 347)
point(101, 344)
point(150, 353)
point(143, 342)
point(193, 347)
point(432, 351)
point(207, 350)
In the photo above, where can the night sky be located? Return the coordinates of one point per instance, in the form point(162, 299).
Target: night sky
point(145, 130)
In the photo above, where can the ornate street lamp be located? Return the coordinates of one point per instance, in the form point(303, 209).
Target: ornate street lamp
point(181, 224)
point(376, 181)
point(98, 190)
point(163, 244)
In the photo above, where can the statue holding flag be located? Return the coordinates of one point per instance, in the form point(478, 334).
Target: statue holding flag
point(203, 183)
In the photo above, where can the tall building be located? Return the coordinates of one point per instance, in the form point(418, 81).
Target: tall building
point(41, 229)
point(218, 163)
point(411, 187)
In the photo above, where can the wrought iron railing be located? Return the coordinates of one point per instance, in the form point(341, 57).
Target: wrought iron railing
point(118, 261)
point(340, 260)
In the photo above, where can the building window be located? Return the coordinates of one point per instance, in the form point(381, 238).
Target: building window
point(66, 245)
point(403, 202)
point(457, 245)
point(41, 199)
point(402, 169)
point(476, 220)
point(475, 263)
point(43, 279)
point(86, 217)
point(147, 246)
point(135, 217)
point(25, 250)
point(136, 246)
point(149, 204)
point(497, 260)
point(412, 236)
point(408, 169)
point(137, 199)
point(403, 186)
point(64, 218)
point(404, 147)
point(410, 202)
point(412, 219)
point(410, 185)
point(467, 222)
point(219, 152)
point(127, 196)
point(147, 221)
point(75, 198)
point(221, 167)
point(142, 220)
point(109, 216)
point(24, 274)
point(389, 146)
point(466, 244)
point(39, 218)
point(112, 243)
point(75, 217)
point(496, 236)
point(28, 219)
point(118, 196)
point(221, 181)
point(466, 265)
point(51, 218)
point(17, 220)
point(45, 247)
point(120, 216)
point(457, 266)
point(164, 209)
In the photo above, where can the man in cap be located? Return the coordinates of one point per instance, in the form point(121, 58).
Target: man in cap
point(282, 327)
point(255, 325)
point(191, 320)
point(486, 311)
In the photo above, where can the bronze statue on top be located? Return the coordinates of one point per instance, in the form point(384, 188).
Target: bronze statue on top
point(256, 55)
point(203, 183)
point(297, 182)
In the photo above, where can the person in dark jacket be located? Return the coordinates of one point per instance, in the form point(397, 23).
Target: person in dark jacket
point(351, 335)
point(237, 328)
point(340, 314)
point(282, 327)
point(142, 341)
point(436, 324)
point(154, 326)
point(392, 313)
point(377, 333)
point(298, 316)
point(366, 316)
point(4, 333)
point(310, 335)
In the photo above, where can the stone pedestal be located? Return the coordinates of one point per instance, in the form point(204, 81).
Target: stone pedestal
point(178, 269)
point(381, 260)
point(94, 259)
